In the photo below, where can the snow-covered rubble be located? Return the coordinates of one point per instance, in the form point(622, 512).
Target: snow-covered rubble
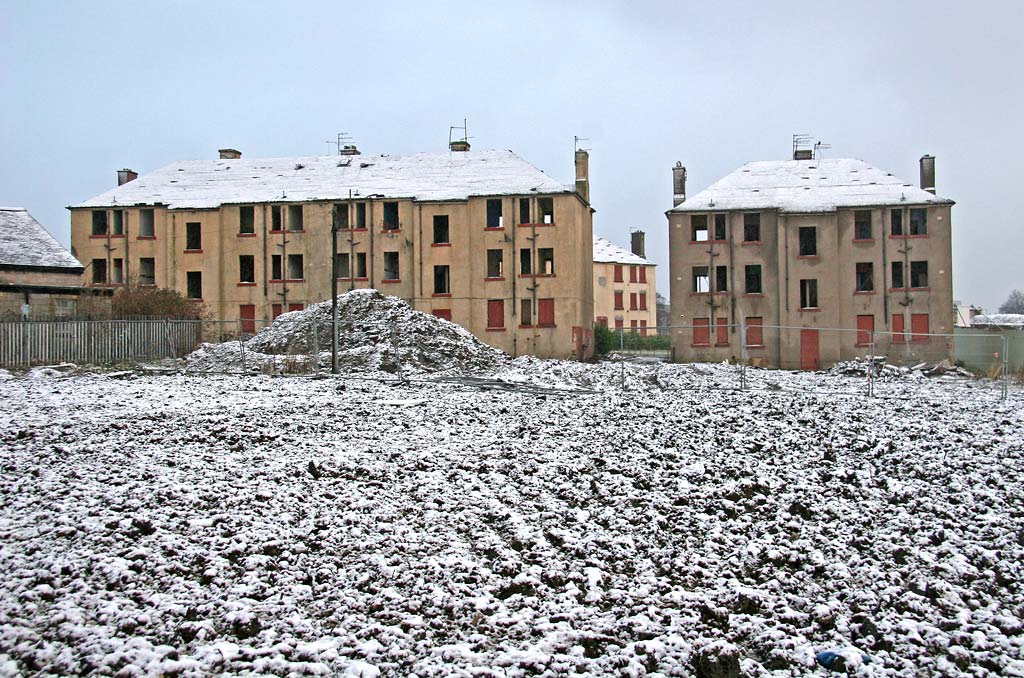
point(375, 333)
point(189, 525)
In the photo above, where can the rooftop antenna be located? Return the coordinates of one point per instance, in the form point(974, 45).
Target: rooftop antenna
point(576, 144)
point(800, 149)
point(820, 146)
point(462, 143)
point(343, 139)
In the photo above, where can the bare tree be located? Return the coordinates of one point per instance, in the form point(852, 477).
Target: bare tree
point(1014, 303)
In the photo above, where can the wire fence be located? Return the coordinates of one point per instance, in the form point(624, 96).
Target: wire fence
point(883, 363)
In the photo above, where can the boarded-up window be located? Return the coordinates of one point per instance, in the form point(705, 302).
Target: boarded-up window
point(642, 301)
point(755, 331)
point(899, 329)
point(526, 313)
point(619, 325)
point(632, 326)
point(721, 331)
point(919, 327)
point(632, 301)
point(247, 314)
point(632, 274)
point(618, 273)
point(495, 313)
point(546, 312)
point(618, 300)
point(643, 328)
point(643, 274)
point(701, 332)
point(865, 329)
point(602, 320)
point(445, 313)
point(295, 307)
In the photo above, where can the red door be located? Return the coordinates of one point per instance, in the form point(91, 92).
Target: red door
point(247, 312)
point(809, 356)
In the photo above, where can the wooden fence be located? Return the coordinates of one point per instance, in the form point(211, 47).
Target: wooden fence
point(95, 342)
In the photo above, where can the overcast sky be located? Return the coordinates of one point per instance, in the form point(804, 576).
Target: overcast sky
point(90, 87)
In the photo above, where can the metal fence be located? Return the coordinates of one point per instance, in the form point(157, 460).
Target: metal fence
point(24, 343)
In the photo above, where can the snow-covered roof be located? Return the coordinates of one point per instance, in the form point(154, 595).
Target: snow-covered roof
point(606, 252)
point(998, 320)
point(24, 242)
point(821, 185)
point(205, 184)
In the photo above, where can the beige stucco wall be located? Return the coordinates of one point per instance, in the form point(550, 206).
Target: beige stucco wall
point(571, 286)
point(834, 268)
point(604, 296)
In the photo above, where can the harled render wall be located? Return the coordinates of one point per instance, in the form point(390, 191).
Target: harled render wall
point(571, 286)
point(834, 267)
point(604, 297)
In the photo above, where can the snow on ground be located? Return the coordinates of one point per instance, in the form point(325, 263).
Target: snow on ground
point(187, 525)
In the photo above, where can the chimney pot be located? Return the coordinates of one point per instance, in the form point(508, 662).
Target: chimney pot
point(229, 154)
point(583, 174)
point(928, 173)
point(637, 245)
point(678, 184)
point(126, 175)
point(348, 149)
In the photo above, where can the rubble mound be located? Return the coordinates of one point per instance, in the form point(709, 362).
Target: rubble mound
point(858, 367)
point(375, 333)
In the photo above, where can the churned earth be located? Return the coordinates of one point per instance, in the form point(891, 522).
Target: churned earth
point(650, 522)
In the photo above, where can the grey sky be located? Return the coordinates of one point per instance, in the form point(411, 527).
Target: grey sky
point(92, 87)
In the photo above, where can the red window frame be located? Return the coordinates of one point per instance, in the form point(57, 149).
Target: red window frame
point(618, 301)
point(546, 312)
point(899, 329)
point(701, 332)
point(721, 331)
point(755, 331)
point(618, 272)
point(919, 327)
point(495, 314)
point(865, 329)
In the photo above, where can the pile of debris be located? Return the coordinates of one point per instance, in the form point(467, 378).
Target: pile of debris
point(880, 369)
point(375, 333)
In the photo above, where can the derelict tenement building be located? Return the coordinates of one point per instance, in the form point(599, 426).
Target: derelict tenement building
point(624, 287)
point(792, 250)
point(481, 238)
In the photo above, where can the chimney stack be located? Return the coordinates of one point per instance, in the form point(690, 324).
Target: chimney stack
point(636, 244)
point(460, 145)
point(126, 175)
point(348, 149)
point(928, 173)
point(678, 185)
point(583, 174)
point(229, 154)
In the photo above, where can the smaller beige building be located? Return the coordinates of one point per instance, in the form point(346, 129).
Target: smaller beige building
point(624, 288)
point(38, 277)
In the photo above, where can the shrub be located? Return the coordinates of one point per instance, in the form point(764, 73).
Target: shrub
point(132, 301)
point(605, 340)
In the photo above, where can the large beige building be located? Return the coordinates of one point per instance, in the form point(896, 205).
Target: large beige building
point(482, 238)
point(816, 260)
point(624, 287)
